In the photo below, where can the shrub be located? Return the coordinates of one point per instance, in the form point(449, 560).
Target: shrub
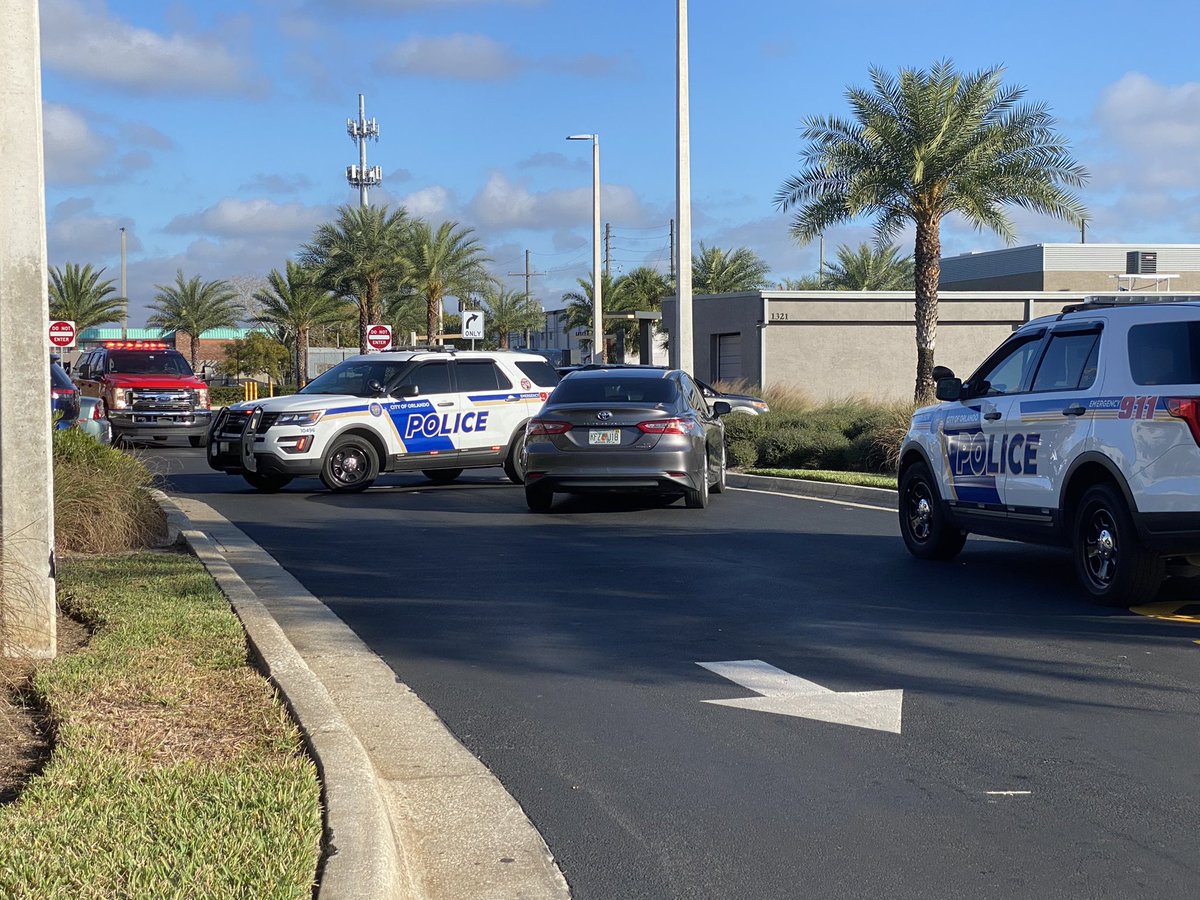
point(814, 447)
point(102, 502)
point(741, 427)
point(742, 454)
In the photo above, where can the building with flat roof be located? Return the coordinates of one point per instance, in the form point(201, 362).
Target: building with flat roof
point(1099, 268)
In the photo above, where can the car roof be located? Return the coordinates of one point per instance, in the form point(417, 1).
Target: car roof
point(406, 355)
point(621, 372)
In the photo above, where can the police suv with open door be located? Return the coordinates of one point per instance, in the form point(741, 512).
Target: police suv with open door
point(1082, 429)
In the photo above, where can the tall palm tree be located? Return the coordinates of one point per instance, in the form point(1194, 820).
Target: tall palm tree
point(870, 268)
point(78, 295)
point(803, 283)
point(579, 305)
point(641, 290)
point(441, 263)
point(292, 304)
point(923, 145)
point(358, 256)
point(193, 307)
point(509, 311)
point(717, 271)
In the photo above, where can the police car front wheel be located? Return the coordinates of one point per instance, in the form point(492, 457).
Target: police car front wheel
point(923, 524)
point(1112, 565)
point(350, 465)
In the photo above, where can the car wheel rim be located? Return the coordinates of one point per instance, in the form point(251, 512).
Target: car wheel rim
point(521, 459)
point(1100, 548)
point(919, 510)
point(349, 466)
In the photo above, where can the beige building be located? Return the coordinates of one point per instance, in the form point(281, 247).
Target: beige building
point(840, 343)
point(1097, 268)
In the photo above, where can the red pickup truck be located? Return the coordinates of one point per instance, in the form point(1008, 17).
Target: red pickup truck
point(149, 389)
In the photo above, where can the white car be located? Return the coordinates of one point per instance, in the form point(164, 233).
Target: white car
point(1082, 429)
point(437, 412)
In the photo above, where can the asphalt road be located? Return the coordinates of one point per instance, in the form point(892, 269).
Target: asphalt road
point(1049, 748)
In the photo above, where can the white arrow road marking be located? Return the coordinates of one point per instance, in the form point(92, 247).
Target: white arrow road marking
point(789, 695)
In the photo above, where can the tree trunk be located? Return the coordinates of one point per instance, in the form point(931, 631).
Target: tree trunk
point(431, 316)
point(301, 358)
point(194, 342)
point(503, 339)
point(926, 270)
point(364, 320)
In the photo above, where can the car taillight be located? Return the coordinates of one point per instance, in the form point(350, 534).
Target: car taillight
point(1188, 409)
point(98, 411)
point(61, 393)
point(668, 426)
point(546, 426)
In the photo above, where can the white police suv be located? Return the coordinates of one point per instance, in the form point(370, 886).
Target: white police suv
point(437, 412)
point(1082, 429)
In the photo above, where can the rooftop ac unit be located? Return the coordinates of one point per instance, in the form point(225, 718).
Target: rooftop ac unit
point(1141, 262)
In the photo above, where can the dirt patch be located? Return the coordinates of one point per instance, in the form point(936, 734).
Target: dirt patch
point(24, 742)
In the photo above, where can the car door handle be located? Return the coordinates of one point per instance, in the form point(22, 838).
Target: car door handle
point(447, 403)
point(1074, 410)
point(992, 416)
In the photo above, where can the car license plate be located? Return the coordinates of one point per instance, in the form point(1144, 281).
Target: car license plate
point(604, 436)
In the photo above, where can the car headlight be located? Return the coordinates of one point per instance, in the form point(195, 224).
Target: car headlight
point(301, 418)
point(760, 406)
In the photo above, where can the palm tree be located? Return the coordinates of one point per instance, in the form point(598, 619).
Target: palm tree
point(509, 311)
point(870, 268)
point(803, 283)
point(448, 262)
point(193, 307)
point(717, 271)
point(78, 295)
point(641, 290)
point(579, 305)
point(292, 304)
point(923, 145)
point(358, 256)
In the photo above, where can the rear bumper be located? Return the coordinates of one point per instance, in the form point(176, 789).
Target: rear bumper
point(651, 471)
point(1171, 534)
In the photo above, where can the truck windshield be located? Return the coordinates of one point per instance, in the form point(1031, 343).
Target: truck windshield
point(354, 377)
point(134, 362)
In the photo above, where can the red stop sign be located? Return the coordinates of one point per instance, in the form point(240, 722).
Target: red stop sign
point(62, 334)
point(379, 337)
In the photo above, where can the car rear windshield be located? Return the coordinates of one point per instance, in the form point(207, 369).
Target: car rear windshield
point(59, 377)
point(615, 390)
point(540, 373)
point(1165, 353)
point(136, 362)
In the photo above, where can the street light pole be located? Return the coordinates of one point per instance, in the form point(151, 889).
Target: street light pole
point(124, 296)
point(597, 298)
point(682, 348)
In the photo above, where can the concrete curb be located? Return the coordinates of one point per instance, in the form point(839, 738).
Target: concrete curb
point(363, 860)
point(819, 490)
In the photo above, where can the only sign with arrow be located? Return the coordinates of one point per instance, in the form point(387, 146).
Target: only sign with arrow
point(472, 325)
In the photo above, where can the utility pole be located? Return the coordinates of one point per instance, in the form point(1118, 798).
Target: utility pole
point(607, 248)
point(27, 602)
point(1083, 231)
point(682, 348)
point(528, 274)
point(360, 132)
point(124, 296)
point(672, 251)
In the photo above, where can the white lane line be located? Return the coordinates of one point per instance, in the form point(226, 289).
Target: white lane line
point(814, 499)
point(1008, 793)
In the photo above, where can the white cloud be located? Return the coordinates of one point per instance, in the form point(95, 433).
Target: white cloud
point(234, 217)
point(273, 183)
point(76, 232)
point(504, 204)
point(433, 203)
point(463, 57)
point(75, 153)
point(82, 38)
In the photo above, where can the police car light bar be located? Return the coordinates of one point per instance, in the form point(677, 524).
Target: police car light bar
point(136, 345)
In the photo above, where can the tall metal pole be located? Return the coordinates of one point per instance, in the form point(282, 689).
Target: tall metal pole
point(681, 341)
point(598, 347)
point(124, 295)
point(360, 131)
point(27, 603)
point(362, 150)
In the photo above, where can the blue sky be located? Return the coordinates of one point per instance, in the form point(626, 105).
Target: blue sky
point(215, 131)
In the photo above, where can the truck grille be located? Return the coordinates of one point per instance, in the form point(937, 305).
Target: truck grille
point(150, 401)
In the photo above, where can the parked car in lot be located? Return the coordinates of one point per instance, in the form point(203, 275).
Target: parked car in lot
point(64, 396)
point(738, 403)
point(626, 429)
point(93, 418)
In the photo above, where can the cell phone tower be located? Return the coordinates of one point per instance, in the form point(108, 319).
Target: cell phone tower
point(360, 131)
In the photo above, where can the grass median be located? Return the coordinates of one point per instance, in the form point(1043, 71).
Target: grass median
point(860, 479)
point(175, 770)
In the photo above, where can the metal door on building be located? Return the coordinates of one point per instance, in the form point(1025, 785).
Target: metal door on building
point(727, 360)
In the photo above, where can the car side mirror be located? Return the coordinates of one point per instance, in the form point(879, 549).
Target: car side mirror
point(949, 388)
point(721, 408)
point(375, 387)
point(940, 372)
point(408, 390)
point(67, 367)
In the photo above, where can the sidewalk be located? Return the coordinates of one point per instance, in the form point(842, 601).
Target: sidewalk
point(410, 814)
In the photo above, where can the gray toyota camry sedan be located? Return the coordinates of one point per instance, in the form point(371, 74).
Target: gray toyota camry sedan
point(626, 430)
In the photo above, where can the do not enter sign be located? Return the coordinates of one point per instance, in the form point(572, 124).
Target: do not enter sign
point(62, 334)
point(379, 337)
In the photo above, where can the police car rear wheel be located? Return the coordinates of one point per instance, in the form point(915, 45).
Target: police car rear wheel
point(1110, 561)
point(268, 484)
point(442, 476)
point(539, 499)
point(350, 465)
point(515, 462)
point(923, 524)
point(718, 486)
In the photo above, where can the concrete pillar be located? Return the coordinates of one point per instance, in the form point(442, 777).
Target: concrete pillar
point(27, 604)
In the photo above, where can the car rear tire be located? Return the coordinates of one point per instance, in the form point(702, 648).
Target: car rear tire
point(515, 462)
point(196, 440)
point(267, 484)
point(923, 524)
point(351, 465)
point(719, 485)
point(539, 499)
point(1110, 561)
point(698, 499)
point(442, 476)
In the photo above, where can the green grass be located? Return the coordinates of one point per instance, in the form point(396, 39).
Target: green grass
point(176, 772)
point(861, 479)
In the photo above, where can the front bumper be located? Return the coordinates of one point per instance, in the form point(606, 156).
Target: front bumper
point(232, 450)
point(131, 424)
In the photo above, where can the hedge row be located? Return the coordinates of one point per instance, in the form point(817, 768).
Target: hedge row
point(848, 435)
